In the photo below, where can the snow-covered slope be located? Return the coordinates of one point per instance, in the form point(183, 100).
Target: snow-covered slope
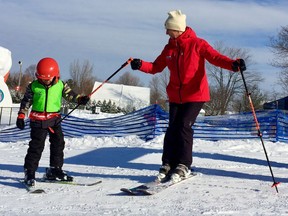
point(233, 179)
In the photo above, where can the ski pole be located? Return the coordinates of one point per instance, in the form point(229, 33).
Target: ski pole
point(122, 66)
point(126, 63)
point(259, 130)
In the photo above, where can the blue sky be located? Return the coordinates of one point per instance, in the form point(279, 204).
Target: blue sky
point(107, 33)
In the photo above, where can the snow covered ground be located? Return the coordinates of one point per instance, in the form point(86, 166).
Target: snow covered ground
point(233, 179)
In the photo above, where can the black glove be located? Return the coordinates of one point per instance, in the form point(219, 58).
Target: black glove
point(83, 100)
point(20, 121)
point(239, 64)
point(136, 64)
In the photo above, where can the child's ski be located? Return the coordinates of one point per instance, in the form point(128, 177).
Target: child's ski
point(32, 189)
point(71, 182)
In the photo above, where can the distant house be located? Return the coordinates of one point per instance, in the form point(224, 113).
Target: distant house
point(122, 95)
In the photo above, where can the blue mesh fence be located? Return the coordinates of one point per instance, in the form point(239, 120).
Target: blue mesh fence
point(152, 121)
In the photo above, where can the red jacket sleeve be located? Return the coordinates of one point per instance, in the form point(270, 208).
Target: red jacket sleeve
point(155, 67)
point(214, 57)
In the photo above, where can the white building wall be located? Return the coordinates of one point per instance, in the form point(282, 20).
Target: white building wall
point(122, 95)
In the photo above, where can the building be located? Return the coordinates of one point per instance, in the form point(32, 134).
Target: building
point(122, 95)
point(281, 103)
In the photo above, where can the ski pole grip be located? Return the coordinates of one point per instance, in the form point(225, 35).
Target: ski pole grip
point(129, 60)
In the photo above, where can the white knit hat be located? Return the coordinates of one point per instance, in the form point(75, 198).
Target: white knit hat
point(176, 21)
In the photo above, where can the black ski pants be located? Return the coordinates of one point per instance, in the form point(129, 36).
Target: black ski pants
point(39, 132)
point(178, 140)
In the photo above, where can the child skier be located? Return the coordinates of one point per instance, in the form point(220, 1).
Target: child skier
point(45, 96)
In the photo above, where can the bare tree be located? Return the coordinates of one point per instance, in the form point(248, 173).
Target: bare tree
point(164, 81)
point(12, 80)
point(225, 85)
point(28, 76)
point(158, 86)
point(128, 79)
point(17, 79)
point(241, 103)
point(30, 72)
point(24, 79)
point(156, 97)
point(279, 45)
point(82, 79)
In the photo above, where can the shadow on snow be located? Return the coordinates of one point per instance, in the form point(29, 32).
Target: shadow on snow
point(123, 157)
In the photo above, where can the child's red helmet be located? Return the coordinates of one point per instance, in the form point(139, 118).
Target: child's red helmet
point(47, 68)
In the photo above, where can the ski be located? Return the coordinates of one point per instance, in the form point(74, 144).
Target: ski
point(138, 189)
point(164, 185)
point(32, 189)
point(70, 182)
point(153, 187)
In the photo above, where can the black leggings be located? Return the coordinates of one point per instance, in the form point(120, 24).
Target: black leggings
point(178, 141)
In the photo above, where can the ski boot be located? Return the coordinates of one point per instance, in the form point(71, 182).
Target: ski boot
point(57, 174)
point(29, 178)
point(181, 172)
point(164, 172)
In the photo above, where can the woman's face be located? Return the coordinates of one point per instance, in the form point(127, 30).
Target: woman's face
point(173, 33)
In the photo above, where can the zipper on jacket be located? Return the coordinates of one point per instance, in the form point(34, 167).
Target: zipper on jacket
point(46, 100)
point(178, 72)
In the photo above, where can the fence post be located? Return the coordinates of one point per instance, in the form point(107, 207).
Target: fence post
point(0, 114)
point(10, 116)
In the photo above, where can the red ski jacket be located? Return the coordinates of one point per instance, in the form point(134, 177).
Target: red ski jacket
point(185, 58)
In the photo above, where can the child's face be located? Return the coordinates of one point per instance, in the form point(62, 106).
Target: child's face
point(46, 82)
